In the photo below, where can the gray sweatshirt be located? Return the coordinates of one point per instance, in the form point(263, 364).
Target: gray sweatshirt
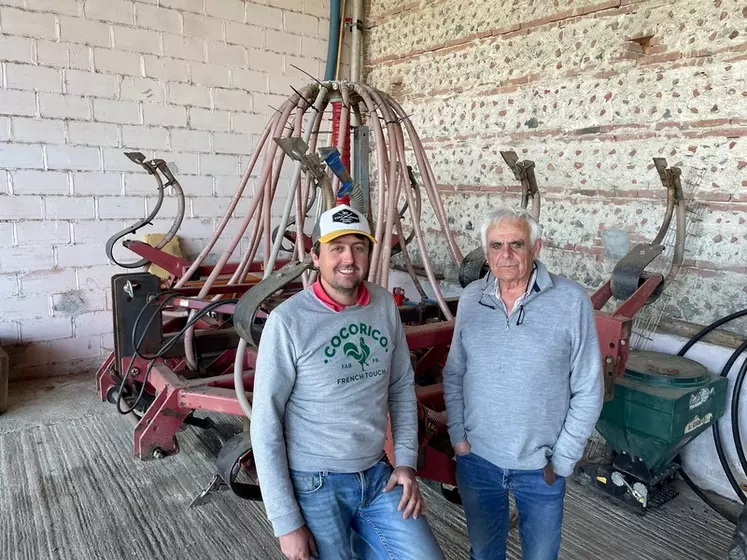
point(324, 382)
point(526, 394)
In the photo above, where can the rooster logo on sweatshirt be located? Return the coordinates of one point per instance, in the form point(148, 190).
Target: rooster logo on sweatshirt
point(359, 354)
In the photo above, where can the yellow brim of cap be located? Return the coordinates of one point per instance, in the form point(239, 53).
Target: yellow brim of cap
point(340, 232)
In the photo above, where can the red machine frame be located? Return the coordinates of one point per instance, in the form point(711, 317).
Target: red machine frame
point(177, 397)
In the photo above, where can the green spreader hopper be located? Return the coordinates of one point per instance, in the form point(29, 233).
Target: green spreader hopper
point(659, 405)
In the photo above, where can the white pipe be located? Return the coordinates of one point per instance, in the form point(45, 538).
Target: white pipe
point(238, 378)
point(357, 42)
point(291, 195)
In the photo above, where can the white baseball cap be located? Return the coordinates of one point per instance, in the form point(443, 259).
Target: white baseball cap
point(341, 220)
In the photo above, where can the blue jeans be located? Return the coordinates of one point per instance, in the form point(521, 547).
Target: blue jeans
point(484, 490)
point(345, 508)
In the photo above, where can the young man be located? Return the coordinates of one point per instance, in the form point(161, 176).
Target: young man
point(332, 362)
point(523, 390)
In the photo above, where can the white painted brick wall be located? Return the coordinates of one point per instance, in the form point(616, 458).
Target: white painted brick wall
point(86, 32)
point(115, 61)
point(40, 182)
point(186, 94)
point(19, 49)
point(72, 157)
point(164, 115)
point(62, 106)
point(190, 140)
point(39, 78)
point(187, 48)
point(82, 81)
point(65, 208)
point(36, 283)
point(37, 130)
point(122, 112)
point(16, 259)
point(108, 184)
point(17, 103)
point(93, 133)
point(85, 83)
point(142, 89)
point(207, 119)
point(43, 232)
point(31, 24)
point(160, 19)
point(35, 330)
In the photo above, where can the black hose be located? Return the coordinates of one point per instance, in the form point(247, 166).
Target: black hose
point(709, 328)
point(716, 436)
point(735, 396)
point(723, 513)
point(164, 349)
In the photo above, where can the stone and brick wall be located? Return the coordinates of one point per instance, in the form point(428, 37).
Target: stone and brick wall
point(591, 91)
point(190, 81)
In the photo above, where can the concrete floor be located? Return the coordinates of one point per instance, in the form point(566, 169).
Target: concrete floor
point(69, 489)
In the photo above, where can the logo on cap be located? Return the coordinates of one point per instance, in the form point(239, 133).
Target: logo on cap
point(345, 216)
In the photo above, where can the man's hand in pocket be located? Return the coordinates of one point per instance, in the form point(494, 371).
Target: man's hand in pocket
point(549, 474)
point(462, 448)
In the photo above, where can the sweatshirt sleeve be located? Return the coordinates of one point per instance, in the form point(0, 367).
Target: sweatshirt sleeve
point(403, 409)
point(453, 374)
point(587, 392)
point(275, 375)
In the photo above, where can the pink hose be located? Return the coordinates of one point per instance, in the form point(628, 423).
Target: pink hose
point(391, 161)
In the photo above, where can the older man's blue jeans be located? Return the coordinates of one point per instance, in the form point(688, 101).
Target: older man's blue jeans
point(484, 489)
point(351, 507)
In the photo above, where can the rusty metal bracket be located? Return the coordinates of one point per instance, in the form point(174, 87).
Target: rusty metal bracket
point(296, 149)
point(153, 167)
point(475, 265)
point(524, 172)
point(234, 455)
point(245, 314)
point(629, 272)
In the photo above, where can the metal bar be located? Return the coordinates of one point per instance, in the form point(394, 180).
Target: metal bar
point(224, 362)
point(177, 267)
point(425, 310)
point(634, 303)
point(214, 399)
point(208, 341)
point(602, 295)
point(431, 396)
point(438, 467)
point(171, 264)
point(430, 358)
point(291, 288)
point(226, 382)
point(361, 154)
point(202, 304)
point(161, 378)
point(104, 380)
point(432, 334)
point(156, 431)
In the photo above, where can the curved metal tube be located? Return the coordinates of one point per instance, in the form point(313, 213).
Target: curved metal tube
point(231, 207)
point(291, 195)
point(302, 195)
point(152, 167)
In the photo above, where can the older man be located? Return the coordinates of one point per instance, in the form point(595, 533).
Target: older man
point(523, 388)
point(332, 363)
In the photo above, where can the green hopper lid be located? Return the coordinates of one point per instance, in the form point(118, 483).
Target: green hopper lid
point(657, 368)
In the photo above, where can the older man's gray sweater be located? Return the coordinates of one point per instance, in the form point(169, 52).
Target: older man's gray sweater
point(526, 394)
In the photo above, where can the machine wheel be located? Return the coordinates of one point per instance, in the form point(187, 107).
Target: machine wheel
point(473, 267)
